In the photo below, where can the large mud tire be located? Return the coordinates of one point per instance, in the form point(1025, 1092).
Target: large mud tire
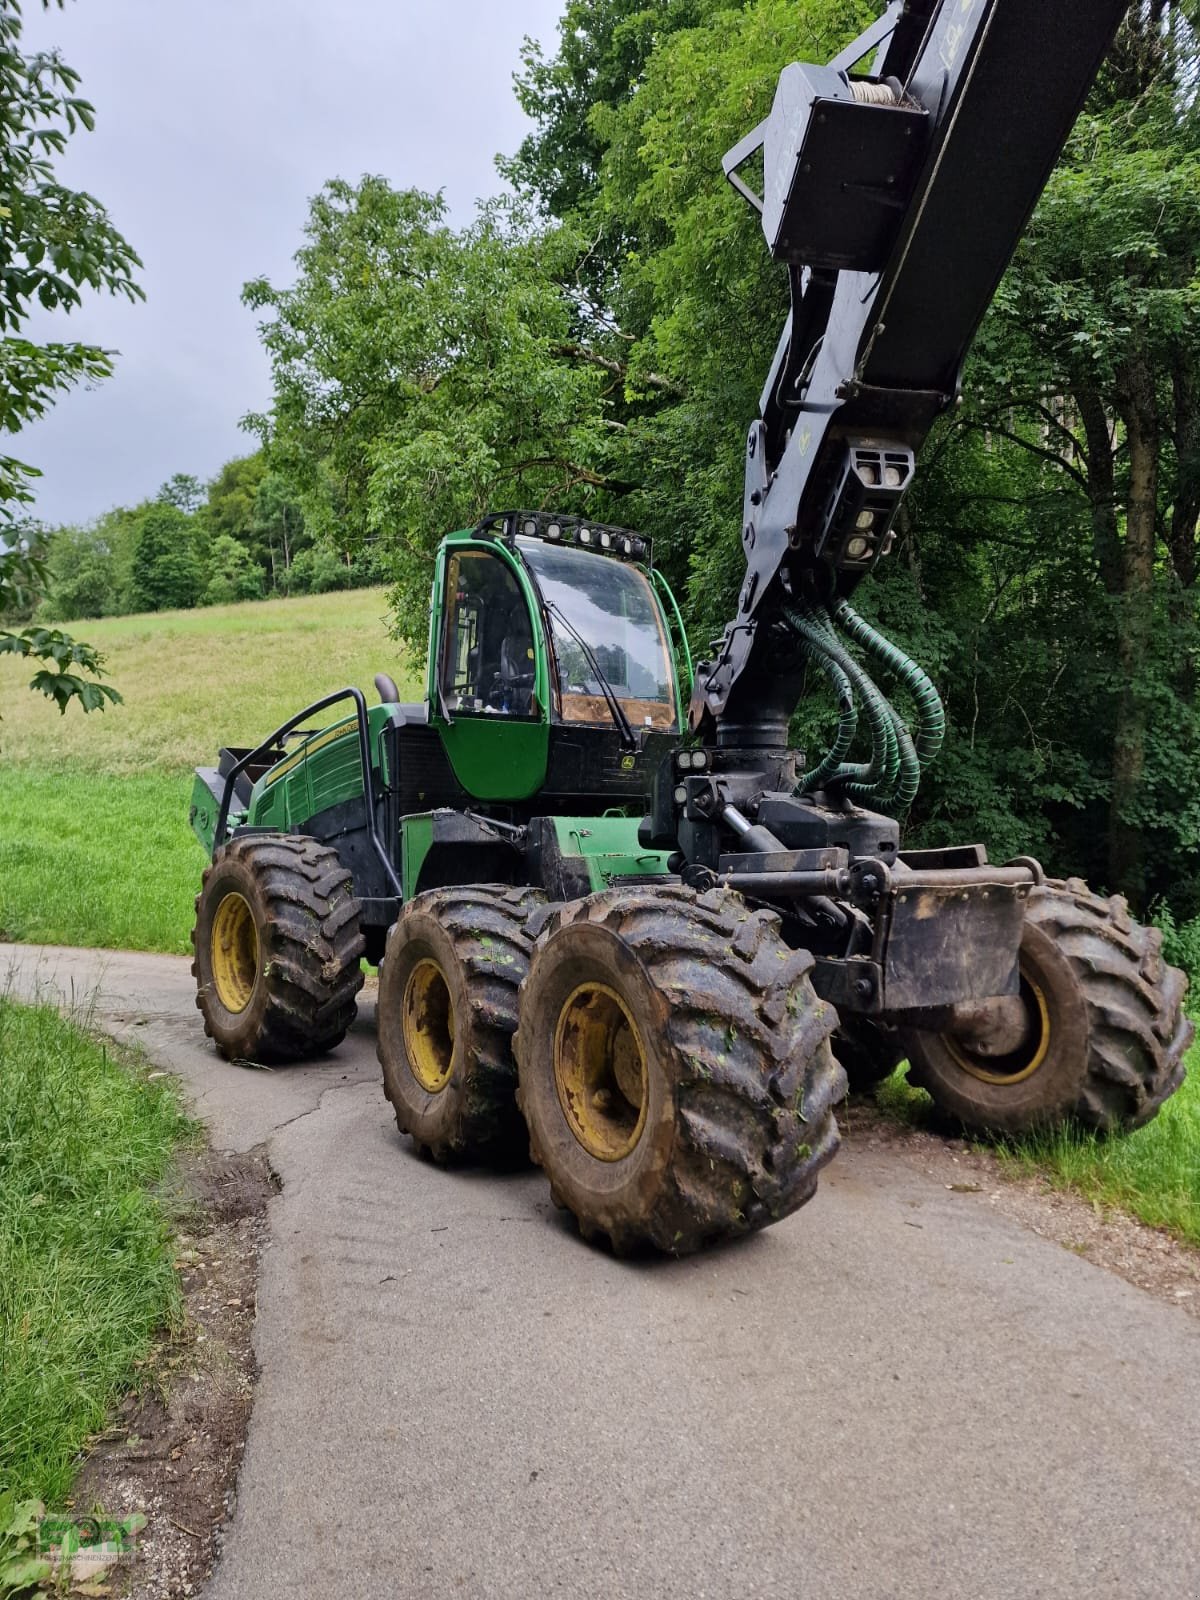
point(1113, 1029)
point(277, 949)
point(448, 990)
point(716, 1114)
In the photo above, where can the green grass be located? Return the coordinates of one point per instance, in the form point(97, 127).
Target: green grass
point(88, 860)
point(95, 847)
point(195, 680)
point(1153, 1173)
point(86, 1277)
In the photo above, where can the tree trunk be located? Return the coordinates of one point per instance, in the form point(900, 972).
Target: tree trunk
point(1138, 407)
point(1106, 536)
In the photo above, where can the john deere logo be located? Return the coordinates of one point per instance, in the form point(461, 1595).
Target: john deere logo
point(628, 763)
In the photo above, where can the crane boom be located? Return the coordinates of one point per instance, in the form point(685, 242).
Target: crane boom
point(896, 200)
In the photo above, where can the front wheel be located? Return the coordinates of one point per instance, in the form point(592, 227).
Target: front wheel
point(278, 949)
point(674, 1068)
point(1098, 1037)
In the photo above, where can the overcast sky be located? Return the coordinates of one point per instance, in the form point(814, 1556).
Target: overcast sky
point(216, 120)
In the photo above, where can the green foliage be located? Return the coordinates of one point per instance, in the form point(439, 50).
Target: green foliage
point(69, 670)
point(231, 505)
point(54, 243)
point(86, 1278)
point(318, 570)
point(21, 1567)
point(1181, 946)
point(165, 573)
point(184, 492)
point(84, 576)
point(233, 573)
point(420, 375)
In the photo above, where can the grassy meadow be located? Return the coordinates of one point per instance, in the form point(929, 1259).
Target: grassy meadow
point(94, 843)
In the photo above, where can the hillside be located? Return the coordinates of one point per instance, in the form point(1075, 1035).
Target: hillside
point(95, 847)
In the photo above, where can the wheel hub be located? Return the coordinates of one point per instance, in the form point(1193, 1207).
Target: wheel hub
point(233, 950)
point(1005, 1043)
point(600, 1072)
point(427, 1019)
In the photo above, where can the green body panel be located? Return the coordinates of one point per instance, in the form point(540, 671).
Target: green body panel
point(610, 849)
point(202, 813)
point(324, 771)
point(494, 757)
point(416, 838)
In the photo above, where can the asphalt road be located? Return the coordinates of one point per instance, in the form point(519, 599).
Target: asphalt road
point(891, 1394)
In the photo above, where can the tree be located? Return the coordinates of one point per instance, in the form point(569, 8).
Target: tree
point(233, 573)
point(422, 376)
point(83, 578)
point(184, 492)
point(54, 241)
point(166, 575)
point(1092, 361)
point(229, 506)
point(278, 528)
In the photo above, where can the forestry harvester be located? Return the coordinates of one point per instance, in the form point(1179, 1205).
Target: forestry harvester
point(652, 940)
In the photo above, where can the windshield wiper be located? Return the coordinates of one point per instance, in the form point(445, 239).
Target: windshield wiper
point(616, 709)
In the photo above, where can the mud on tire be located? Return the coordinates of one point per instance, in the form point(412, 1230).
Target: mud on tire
point(448, 989)
point(277, 949)
point(1115, 1033)
point(737, 1080)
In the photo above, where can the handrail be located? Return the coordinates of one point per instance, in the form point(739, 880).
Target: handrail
point(364, 752)
point(660, 583)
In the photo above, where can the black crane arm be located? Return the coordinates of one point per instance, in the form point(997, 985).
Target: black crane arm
point(896, 199)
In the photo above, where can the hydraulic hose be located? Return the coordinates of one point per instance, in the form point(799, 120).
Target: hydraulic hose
point(931, 714)
point(910, 767)
point(847, 718)
point(875, 780)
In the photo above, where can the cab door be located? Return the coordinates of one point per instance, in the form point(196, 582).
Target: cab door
point(489, 686)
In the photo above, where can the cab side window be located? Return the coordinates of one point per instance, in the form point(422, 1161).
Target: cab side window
point(488, 657)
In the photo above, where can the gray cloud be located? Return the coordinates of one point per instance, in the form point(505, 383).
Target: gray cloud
point(216, 120)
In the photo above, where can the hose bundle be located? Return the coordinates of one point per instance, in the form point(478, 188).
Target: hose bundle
point(893, 774)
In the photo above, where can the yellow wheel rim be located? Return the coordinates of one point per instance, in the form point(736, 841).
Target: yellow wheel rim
point(427, 1017)
point(233, 948)
point(600, 1072)
point(1025, 1061)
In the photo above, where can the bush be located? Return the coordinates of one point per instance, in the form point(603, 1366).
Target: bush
point(1181, 946)
point(84, 581)
point(233, 573)
point(319, 570)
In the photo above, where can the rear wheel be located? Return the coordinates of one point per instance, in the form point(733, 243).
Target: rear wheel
point(674, 1068)
point(1098, 1036)
point(447, 1012)
point(278, 948)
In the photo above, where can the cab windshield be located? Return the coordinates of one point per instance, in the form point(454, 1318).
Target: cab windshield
point(612, 608)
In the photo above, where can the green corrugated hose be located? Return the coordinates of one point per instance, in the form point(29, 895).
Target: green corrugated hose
point(866, 783)
point(893, 775)
point(931, 714)
point(847, 718)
